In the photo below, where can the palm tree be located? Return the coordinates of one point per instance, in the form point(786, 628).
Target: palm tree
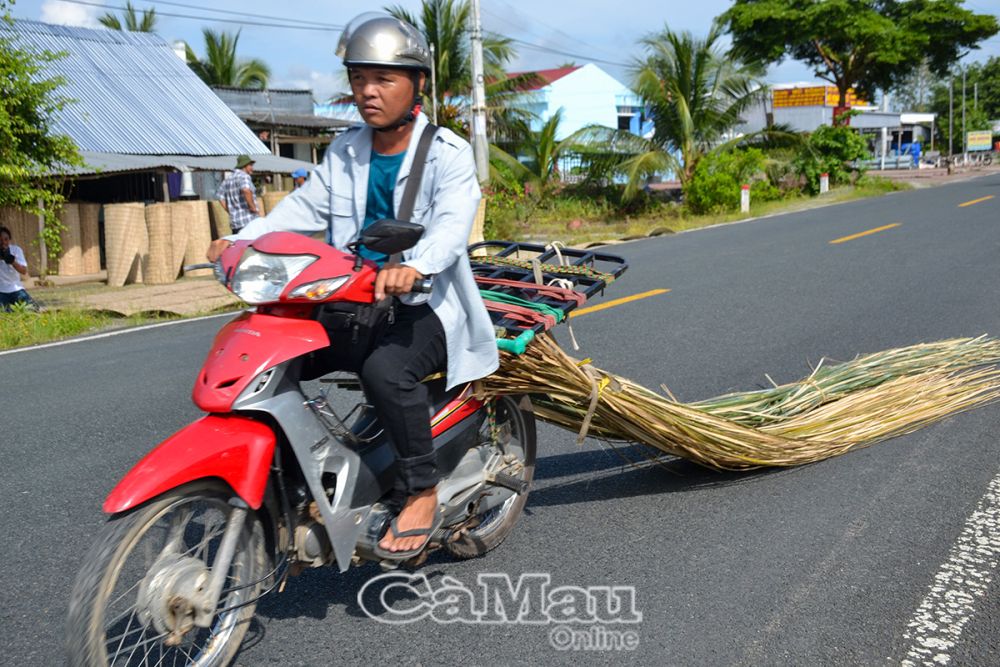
point(132, 21)
point(695, 96)
point(445, 24)
point(221, 67)
point(540, 155)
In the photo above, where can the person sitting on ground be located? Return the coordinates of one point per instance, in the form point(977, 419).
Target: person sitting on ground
point(12, 267)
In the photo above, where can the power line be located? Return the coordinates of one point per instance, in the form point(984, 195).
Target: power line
point(209, 18)
point(567, 54)
point(566, 38)
point(257, 16)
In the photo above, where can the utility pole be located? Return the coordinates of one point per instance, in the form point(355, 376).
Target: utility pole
point(434, 87)
point(951, 115)
point(479, 144)
point(965, 146)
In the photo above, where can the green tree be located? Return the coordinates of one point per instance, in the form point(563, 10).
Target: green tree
point(860, 44)
point(696, 96)
point(830, 150)
point(977, 116)
point(540, 156)
point(29, 151)
point(133, 23)
point(221, 67)
point(445, 25)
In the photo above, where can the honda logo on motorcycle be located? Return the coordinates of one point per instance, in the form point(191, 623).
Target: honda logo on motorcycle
point(581, 616)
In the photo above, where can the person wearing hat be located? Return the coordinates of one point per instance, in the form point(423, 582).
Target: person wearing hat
point(361, 180)
point(237, 194)
point(299, 177)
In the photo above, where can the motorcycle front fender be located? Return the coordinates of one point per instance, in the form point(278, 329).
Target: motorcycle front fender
point(233, 448)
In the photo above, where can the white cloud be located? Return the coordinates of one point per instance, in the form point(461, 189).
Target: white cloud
point(64, 13)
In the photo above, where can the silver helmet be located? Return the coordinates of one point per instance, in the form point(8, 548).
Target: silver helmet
point(379, 40)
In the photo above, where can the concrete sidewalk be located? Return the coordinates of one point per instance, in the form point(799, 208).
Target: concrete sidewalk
point(186, 297)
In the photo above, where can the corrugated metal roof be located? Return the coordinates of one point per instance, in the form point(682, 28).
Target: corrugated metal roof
point(295, 120)
point(132, 94)
point(249, 100)
point(111, 163)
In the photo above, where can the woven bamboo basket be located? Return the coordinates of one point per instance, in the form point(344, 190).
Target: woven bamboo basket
point(158, 268)
point(90, 238)
point(179, 213)
point(199, 234)
point(71, 257)
point(271, 200)
point(24, 230)
point(126, 242)
point(220, 220)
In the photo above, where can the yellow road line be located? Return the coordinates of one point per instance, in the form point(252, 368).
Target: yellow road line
point(844, 239)
point(975, 201)
point(617, 302)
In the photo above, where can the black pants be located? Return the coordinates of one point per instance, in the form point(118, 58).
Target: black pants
point(399, 354)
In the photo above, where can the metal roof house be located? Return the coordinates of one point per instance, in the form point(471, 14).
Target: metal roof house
point(284, 119)
point(138, 113)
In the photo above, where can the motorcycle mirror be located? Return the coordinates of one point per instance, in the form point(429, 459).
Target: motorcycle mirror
point(390, 236)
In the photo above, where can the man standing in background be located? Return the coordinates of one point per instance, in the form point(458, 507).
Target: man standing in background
point(238, 194)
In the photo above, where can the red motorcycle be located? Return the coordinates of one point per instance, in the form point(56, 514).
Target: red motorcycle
point(282, 473)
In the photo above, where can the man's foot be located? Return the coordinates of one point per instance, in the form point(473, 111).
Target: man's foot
point(418, 513)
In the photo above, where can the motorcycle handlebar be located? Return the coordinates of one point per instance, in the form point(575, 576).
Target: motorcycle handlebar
point(422, 286)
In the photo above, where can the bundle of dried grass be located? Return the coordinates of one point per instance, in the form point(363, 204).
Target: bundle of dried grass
point(835, 409)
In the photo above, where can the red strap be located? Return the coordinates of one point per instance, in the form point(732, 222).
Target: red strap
point(520, 313)
point(560, 293)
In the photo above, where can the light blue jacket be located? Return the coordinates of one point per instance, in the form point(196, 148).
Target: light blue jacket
point(333, 201)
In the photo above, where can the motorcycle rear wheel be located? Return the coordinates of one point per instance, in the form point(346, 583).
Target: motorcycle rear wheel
point(515, 420)
point(110, 615)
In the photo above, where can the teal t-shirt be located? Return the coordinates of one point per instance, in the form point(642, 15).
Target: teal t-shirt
point(381, 183)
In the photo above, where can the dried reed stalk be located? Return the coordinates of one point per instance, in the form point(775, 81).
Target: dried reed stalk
point(829, 413)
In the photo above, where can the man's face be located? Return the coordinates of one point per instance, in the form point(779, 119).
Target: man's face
point(383, 96)
point(249, 168)
point(4, 240)
point(300, 181)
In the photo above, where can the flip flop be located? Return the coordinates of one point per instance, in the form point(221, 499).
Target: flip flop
point(426, 533)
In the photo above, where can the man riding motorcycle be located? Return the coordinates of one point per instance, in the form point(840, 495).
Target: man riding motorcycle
point(361, 180)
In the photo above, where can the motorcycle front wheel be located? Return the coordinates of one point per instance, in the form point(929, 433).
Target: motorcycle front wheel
point(131, 603)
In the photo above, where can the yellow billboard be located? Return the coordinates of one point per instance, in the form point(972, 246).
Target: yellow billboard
point(812, 96)
point(980, 140)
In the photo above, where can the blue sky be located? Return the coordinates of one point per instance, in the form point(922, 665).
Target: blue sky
point(595, 30)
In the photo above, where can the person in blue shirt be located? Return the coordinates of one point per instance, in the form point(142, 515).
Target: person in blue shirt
point(361, 180)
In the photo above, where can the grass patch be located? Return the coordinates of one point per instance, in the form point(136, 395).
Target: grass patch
point(577, 220)
point(21, 327)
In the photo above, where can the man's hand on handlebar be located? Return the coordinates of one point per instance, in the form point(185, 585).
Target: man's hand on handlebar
point(394, 280)
point(216, 249)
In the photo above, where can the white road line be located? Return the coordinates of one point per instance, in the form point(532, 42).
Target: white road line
point(109, 334)
point(964, 578)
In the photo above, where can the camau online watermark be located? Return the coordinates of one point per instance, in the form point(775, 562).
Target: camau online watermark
point(593, 618)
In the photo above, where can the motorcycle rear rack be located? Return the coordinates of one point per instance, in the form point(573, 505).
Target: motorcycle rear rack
point(589, 272)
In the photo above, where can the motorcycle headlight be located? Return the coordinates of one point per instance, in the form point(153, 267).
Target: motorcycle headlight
point(319, 289)
point(261, 277)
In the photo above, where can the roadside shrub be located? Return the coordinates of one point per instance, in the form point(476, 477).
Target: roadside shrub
point(830, 150)
point(717, 180)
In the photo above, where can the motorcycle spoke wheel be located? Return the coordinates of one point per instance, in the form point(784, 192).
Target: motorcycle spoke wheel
point(516, 430)
point(122, 614)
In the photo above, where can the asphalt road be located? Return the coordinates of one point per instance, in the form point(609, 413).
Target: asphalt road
point(825, 564)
